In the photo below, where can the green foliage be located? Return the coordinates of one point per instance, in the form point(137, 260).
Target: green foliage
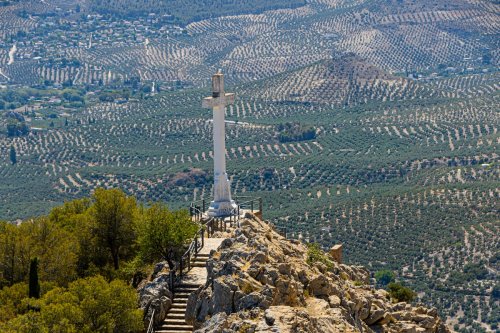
point(15, 98)
point(400, 293)
point(184, 12)
point(495, 293)
point(112, 95)
point(291, 132)
point(17, 128)
point(470, 272)
point(163, 234)
point(34, 283)
point(316, 254)
point(13, 155)
point(87, 305)
point(12, 301)
point(113, 215)
point(71, 214)
point(384, 277)
point(55, 247)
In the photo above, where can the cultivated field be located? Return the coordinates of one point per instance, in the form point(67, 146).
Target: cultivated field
point(404, 168)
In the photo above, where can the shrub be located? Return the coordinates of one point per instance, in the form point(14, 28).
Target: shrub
point(384, 277)
point(315, 254)
point(400, 293)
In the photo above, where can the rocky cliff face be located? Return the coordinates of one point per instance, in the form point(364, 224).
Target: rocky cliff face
point(261, 282)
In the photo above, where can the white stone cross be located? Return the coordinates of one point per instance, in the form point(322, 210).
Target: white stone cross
point(222, 205)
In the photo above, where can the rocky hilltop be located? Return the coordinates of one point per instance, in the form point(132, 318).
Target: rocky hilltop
point(258, 281)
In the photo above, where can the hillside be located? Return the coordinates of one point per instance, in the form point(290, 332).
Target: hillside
point(260, 282)
point(183, 13)
point(344, 80)
point(402, 98)
point(396, 36)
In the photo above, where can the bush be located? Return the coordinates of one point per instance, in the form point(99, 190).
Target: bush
point(400, 293)
point(316, 254)
point(384, 277)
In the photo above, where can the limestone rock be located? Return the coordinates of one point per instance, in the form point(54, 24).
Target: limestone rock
point(320, 286)
point(156, 296)
point(260, 282)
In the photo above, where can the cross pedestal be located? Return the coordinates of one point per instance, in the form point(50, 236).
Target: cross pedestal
point(222, 205)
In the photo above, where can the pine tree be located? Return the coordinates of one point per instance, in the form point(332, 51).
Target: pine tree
point(13, 155)
point(34, 284)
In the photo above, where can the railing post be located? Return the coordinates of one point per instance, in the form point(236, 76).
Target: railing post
point(203, 205)
point(180, 266)
point(189, 261)
point(202, 238)
point(196, 245)
point(260, 208)
point(172, 273)
point(251, 205)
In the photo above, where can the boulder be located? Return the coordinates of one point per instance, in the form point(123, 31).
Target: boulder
point(375, 315)
point(336, 253)
point(320, 286)
point(334, 301)
point(156, 296)
point(216, 324)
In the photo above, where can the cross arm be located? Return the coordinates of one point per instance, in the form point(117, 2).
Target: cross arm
point(211, 102)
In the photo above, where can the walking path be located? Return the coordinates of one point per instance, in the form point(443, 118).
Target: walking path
point(175, 321)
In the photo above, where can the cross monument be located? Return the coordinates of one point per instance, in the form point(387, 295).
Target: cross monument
point(222, 205)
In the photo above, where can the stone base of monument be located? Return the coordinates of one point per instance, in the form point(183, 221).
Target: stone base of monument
point(222, 208)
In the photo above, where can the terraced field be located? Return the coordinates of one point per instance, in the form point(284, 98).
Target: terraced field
point(419, 38)
point(404, 169)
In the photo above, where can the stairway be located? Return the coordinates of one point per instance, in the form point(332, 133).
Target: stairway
point(174, 322)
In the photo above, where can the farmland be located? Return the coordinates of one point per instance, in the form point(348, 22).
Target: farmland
point(403, 169)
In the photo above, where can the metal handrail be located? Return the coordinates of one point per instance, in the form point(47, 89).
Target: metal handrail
point(193, 248)
point(249, 204)
point(151, 323)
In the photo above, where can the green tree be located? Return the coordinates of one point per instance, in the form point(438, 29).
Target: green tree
point(105, 307)
point(56, 248)
point(30, 322)
point(11, 301)
point(113, 215)
point(400, 293)
point(34, 283)
point(70, 214)
point(13, 155)
point(384, 277)
point(87, 305)
point(163, 234)
point(495, 293)
point(14, 248)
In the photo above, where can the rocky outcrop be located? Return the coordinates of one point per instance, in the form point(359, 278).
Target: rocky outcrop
point(155, 296)
point(260, 282)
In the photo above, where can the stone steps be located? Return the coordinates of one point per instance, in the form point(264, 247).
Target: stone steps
point(174, 322)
